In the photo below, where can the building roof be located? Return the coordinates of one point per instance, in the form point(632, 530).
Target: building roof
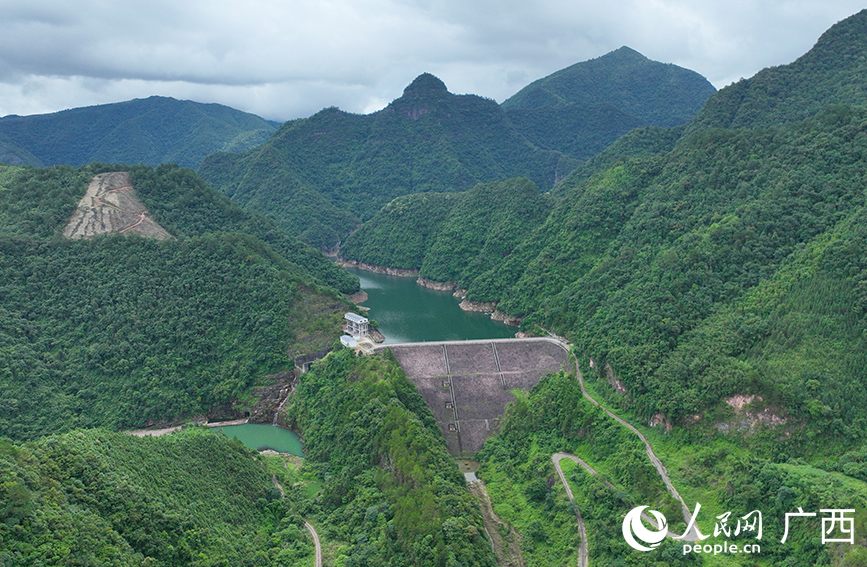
point(355, 318)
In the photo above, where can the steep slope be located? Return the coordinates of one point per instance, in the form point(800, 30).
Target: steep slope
point(151, 131)
point(99, 498)
point(451, 237)
point(832, 72)
point(389, 486)
point(582, 109)
point(639, 258)
point(335, 168)
point(641, 255)
point(120, 330)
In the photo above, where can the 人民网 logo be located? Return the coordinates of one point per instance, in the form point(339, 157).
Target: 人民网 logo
point(634, 531)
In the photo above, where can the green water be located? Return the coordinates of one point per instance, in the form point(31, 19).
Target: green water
point(408, 312)
point(261, 437)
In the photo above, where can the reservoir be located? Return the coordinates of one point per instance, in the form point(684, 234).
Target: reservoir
point(408, 312)
point(261, 437)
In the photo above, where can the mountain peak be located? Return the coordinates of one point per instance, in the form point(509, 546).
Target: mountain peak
point(425, 83)
point(625, 52)
point(843, 42)
point(651, 92)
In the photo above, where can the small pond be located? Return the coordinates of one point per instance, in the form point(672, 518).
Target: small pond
point(261, 437)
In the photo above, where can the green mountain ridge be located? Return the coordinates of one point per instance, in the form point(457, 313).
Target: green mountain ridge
point(830, 73)
point(151, 131)
point(119, 331)
point(320, 176)
point(583, 108)
point(711, 277)
point(101, 498)
point(640, 254)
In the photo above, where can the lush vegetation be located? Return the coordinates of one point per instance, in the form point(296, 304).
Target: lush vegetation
point(715, 278)
point(389, 488)
point(150, 131)
point(830, 73)
point(334, 168)
point(188, 207)
point(516, 465)
point(451, 237)
point(723, 264)
point(119, 331)
point(718, 474)
point(582, 109)
point(401, 234)
point(97, 498)
point(660, 250)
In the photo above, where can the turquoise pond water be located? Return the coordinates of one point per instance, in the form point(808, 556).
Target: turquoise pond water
point(261, 437)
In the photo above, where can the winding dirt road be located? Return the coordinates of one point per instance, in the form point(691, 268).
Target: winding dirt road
point(318, 546)
point(583, 551)
point(694, 532)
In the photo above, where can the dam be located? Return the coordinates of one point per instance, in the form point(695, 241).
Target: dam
point(467, 384)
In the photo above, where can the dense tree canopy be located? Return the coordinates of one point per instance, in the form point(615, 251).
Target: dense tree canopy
point(118, 331)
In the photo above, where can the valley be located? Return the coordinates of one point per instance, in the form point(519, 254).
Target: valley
point(684, 268)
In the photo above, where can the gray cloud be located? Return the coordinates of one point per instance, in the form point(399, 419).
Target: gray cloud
point(288, 59)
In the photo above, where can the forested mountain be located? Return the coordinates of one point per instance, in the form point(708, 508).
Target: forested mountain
point(151, 131)
point(389, 487)
point(831, 72)
point(582, 109)
point(712, 279)
point(451, 237)
point(100, 498)
point(120, 330)
point(320, 175)
point(707, 267)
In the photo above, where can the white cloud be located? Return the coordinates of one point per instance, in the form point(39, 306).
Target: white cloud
point(285, 59)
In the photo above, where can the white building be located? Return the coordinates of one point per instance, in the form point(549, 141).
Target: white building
point(356, 325)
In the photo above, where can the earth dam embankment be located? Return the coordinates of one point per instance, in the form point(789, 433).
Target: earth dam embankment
point(467, 384)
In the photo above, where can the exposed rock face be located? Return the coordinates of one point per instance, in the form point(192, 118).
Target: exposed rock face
point(659, 419)
point(507, 319)
point(404, 273)
point(110, 205)
point(613, 381)
point(439, 286)
point(738, 401)
point(750, 414)
point(478, 306)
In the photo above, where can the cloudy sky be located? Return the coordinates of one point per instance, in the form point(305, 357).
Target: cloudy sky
point(286, 59)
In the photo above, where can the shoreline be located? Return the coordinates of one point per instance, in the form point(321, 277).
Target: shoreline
point(167, 430)
point(458, 292)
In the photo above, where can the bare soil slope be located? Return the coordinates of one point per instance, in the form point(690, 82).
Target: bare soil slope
point(110, 205)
